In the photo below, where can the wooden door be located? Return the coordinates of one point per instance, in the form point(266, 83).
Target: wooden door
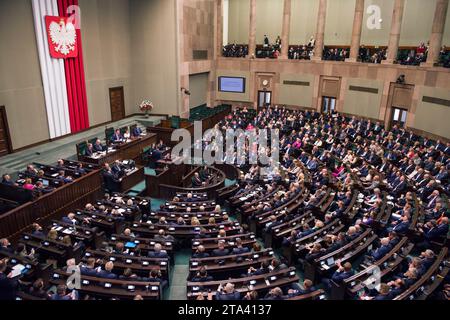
point(5, 140)
point(117, 102)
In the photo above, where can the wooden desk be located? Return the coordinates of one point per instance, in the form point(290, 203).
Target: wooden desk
point(131, 150)
point(132, 179)
point(49, 206)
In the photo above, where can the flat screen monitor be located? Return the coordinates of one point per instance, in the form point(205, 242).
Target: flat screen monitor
point(232, 84)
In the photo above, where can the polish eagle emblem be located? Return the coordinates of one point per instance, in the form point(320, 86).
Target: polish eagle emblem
point(63, 36)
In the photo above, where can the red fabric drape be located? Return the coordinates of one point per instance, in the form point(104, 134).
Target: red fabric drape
point(75, 79)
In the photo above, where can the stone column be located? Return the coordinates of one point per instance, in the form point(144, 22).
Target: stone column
point(252, 33)
point(396, 27)
point(356, 33)
point(437, 32)
point(286, 29)
point(320, 30)
point(219, 31)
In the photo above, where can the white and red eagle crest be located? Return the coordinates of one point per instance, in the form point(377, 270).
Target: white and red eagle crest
point(62, 37)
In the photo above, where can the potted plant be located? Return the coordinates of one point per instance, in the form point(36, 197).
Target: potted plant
point(146, 106)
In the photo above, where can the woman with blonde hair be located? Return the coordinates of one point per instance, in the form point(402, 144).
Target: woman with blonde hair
point(28, 185)
point(52, 234)
point(195, 221)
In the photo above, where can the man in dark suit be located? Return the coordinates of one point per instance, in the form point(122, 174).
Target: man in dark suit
point(200, 253)
point(382, 250)
point(89, 268)
point(70, 218)
point(63, 178)
point(8, 285)
point(89, 150)
point(220, 251)
point(5, 246)
point(440, 229)
point(196, 181)
point(202, 276)
point(31, 170)
point(400, 226)
point(107, 272)
point(98, 147)
point(117, 137)
point(7, 180)
point(239, 248)
point(37, 230)
point(308, 287)
point(109, 179)
point(158, 253)
point(116, 168)
point(136, 132)
point(343, 272)
point(227, 293)
point(79, 170)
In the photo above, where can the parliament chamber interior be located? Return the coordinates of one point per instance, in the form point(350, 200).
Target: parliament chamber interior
point(335, 184)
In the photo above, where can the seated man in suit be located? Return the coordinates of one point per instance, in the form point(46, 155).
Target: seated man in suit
point(8, 286)
point(382, 250)
point(155, 276)
point(264, 268)
point(401, 225)
point(107, 272)
point(158, 252)
point(88, 269)
point(434, 231)
point(343, 272)
point(7, 180)
point(220, 251)
point(5, 246)
point(60, 164)
point(37, 230)
point(79, 169)
point(227, 293)
point(196, 181)
point(62, 295)
point(63, 178)
point(274, 294)
point(308, 287)
point(89, 150)
point(203, 174)
point(98, 147)
point(31, 170)
point(161, 146)
point(239, 248)
point(117, 137)
point(162, 236)
point(200, 252)
point(202, 276)
point(136, 132)
point(383, 294)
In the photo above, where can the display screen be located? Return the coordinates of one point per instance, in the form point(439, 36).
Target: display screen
point(232, 84)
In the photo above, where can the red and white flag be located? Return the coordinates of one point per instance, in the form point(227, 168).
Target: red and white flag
point(60, 48)
point(62, 37)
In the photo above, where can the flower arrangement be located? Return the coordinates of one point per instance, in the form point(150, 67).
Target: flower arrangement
point(146, 106)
